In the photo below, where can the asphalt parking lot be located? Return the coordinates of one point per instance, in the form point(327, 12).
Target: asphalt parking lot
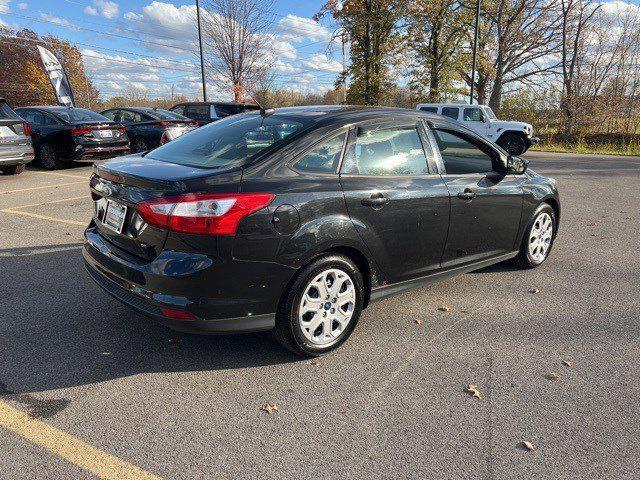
point(99, 381)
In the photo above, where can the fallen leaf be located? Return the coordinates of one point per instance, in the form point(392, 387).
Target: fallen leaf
point(105, 353)
point(444, 308)
point(175, 340)
point(553, 376)
point(529, 446)
point(534, 290)
point(417, 321)
point(270, 408)
point(465, 311)
point(594, 235)
point(628, 218)
point(67, 233)
point(473, 389)
point(568, 362)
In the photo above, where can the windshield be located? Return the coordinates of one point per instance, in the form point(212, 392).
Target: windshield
point(79, 115)
point(490, 113)
point(229, 141)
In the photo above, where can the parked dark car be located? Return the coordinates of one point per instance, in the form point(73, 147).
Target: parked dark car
point(64, 134)
point(15, 141)
point(207, 112)
point(294, 220)
point(148, 128)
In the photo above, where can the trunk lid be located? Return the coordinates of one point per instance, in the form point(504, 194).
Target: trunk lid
point(98, 133)
point(133, 179)
point(13, 139)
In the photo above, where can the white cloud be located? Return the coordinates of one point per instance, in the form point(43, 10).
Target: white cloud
point(322, 63)
point(4, 6)
point(107, 8)
point(284, 49)
point(23, 6)
point(61, 22)
point(296, 29)
point(133, 16)
point(89, 10)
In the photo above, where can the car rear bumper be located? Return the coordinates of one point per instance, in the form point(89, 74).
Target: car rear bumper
point(88, 152)
point(16, 160)
point(151, 287)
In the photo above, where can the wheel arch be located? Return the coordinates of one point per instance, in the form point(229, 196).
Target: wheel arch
point(511, 132)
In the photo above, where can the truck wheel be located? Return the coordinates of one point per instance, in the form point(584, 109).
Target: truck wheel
point(140, 146)
point(13, 169)
point(513, 143)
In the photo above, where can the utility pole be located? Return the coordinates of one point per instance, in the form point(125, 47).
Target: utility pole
point(204, 82)
point(475, 51)
point(344, 68)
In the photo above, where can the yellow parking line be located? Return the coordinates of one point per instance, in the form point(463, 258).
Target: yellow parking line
point(44, 217)
point(64, 175)
point(62, 200)
point(41, 187)
point(73, 450)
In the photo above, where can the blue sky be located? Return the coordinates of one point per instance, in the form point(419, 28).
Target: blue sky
point(150, 46)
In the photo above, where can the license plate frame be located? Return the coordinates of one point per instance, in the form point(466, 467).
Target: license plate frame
point(114, 216)
point(105, 133)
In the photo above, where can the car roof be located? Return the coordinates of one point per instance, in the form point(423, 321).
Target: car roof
point(231, 104)
point(459, 105)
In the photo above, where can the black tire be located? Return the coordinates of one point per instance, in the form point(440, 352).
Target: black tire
point(13, 169)
point(49, 157)
point(524, 258)
point(288, 330)
point(513, 143)
point(140, 146)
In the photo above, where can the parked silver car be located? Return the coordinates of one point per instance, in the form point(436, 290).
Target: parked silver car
point(16, 149)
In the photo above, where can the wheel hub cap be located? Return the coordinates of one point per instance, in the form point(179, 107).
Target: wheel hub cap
point(327, 306)
point(540, 237)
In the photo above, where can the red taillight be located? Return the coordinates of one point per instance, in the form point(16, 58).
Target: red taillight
point(120, 128)
point(81, 131)
point(203, 213)
point(178, 314)
point(163, 138)
point(27, 129)
point(195, 122)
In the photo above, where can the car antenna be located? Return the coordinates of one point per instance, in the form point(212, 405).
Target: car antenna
point(263, 111)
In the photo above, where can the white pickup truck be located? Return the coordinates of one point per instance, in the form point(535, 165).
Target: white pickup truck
point(514, 137)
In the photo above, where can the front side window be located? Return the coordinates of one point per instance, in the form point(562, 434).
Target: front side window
point(322, 158)
point(472, 115)
point(461, 156)
point(392, 151)
point(451, 112)
point(490, 113)
point(228, 142)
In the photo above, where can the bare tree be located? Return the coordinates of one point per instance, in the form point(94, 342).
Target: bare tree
point(236, 33)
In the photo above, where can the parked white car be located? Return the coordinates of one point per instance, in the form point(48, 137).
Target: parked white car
point(514, 137)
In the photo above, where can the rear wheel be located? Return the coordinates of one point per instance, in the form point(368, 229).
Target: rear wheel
point(513, 143)
point(49, 157)
point(140, 146)
point(320, 310)
point(12, 170)
point(538, 238)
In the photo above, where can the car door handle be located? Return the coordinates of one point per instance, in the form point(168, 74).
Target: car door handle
point(467, 194)
point(376, 200)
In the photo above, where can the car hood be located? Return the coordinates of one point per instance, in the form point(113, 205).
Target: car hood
point(512, 125)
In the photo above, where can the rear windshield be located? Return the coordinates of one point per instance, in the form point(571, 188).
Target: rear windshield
point(162, 114)
point(79, 115)
point(7, 112)
point(228, 142)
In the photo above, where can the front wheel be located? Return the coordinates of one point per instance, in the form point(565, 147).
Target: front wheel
point(322, 306)
point(538, 238)
point(513, 143)
point(140, 146)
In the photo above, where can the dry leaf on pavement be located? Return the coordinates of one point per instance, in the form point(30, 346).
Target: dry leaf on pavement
point(534, 290)
point(553, 375)
point(417, 321)
point(568, 362)
point(529, 446)
point(444, 308)
point(473, 389)
point(270, 408)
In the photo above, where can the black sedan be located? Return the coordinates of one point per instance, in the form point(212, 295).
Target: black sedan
point(294, 220)
point(63, 134)
point(148, 128)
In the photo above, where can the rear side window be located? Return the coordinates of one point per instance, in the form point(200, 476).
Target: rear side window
point(49, 121)
point(451, 112)
point(79, 115)
point(226, 110)
point(429, 109)
point(322, 158)
point(392, 151)
point(461, 156)
point(7, 112)
point(228, 142)
point(130, 117)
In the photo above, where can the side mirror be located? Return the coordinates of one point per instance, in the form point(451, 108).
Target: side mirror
point(516, 165)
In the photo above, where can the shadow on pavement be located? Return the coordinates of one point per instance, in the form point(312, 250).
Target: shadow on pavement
point(60, 330)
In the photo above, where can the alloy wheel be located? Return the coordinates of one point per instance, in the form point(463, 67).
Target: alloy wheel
point(327, 306)
point(540, 238)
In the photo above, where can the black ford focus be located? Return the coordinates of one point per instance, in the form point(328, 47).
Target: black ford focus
point(294, 220)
